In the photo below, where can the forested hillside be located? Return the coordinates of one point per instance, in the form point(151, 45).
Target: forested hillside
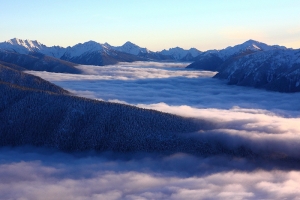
point(31, 117)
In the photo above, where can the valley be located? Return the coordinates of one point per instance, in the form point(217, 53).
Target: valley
point(143, 122)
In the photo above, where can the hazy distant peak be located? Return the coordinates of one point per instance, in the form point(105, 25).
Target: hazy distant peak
point(89, 43)
point(176, 48)
point(179, 53)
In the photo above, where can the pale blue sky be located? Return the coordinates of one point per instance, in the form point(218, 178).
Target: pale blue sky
point(155, 24)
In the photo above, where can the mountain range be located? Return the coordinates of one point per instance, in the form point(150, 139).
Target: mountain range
point(251, 63)
point(95, 53)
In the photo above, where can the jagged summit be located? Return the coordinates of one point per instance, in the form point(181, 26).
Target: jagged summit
point(22, 46)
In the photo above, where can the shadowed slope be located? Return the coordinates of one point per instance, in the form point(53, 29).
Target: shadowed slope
point(22, 79)
point(38, 62)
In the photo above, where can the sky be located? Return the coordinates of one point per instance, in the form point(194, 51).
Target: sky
point(154, 24)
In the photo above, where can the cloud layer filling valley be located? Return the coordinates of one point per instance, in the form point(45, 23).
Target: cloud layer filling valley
point(265, 122)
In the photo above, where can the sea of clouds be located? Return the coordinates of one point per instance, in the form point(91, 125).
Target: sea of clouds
point(26, 174)
point(267, 123)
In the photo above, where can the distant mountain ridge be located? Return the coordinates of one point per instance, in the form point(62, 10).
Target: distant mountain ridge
point(95, 53)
